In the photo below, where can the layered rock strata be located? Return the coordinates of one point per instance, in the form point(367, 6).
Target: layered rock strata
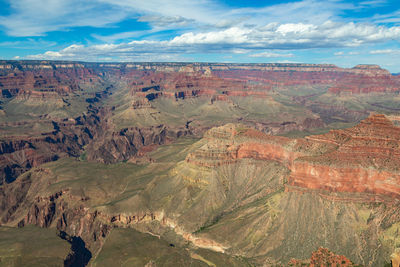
point(359, 159)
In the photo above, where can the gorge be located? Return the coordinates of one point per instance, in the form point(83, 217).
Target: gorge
point(210, 164)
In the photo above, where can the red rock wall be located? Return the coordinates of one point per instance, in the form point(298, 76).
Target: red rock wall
point(341, 179)
point(61, 81)
point(364, 159)
point(266, 152)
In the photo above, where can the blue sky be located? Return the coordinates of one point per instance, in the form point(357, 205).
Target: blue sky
point(345, 33)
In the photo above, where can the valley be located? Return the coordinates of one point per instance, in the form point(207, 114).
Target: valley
point(201, 164)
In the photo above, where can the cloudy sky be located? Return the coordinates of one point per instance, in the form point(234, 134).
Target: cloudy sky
point(345, 33)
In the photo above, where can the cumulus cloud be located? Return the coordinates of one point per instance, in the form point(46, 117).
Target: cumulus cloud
point(239, 40)
point(204, 26)
point(290, 35)
point(233, 35)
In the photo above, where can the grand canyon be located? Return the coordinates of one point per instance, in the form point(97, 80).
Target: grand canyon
point(198, 164)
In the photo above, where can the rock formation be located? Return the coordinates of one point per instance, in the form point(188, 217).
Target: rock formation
point(241, 162)
point(359, 159)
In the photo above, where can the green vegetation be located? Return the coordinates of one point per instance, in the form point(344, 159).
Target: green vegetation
point(83, 156)
point(32, 246)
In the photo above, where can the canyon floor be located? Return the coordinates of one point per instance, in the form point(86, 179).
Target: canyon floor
point(197, 164)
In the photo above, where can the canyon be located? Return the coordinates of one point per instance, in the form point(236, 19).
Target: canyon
point(207, 163)
point(363, 158)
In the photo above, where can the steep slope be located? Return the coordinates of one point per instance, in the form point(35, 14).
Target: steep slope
point(239, 184)
point(365, 160)
point(100, 150)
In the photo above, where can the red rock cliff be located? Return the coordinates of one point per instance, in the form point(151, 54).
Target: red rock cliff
point(365, 158)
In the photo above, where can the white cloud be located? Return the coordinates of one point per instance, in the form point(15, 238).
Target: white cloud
point(233, 35)
point(38, 17)
point(285, 36)
point(52, 54)
point(136, 50)
point(384, 51)
point(291, 28)
point(271, 55)
point(204, 26)
point(240, 51)
point(351, 53)
point(241, 40)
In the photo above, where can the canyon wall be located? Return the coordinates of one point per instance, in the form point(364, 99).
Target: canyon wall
point(363, 159)
point(37, 92)
point(65, 76)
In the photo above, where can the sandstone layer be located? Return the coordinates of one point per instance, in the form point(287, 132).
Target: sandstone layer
point(359, 159)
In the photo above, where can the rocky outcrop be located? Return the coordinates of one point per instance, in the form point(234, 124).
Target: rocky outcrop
point(44, 78)
point(20, 153)
point(185, 85)
point(62, 210)
point(365, 160)
point(360, 159)
point(395, 261)
point(123, 145)
point(135, 221)
point(244, 193)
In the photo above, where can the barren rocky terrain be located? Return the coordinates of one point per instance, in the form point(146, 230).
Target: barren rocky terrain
point(198, 164)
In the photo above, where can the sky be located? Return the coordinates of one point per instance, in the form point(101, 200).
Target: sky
point(345, 33)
